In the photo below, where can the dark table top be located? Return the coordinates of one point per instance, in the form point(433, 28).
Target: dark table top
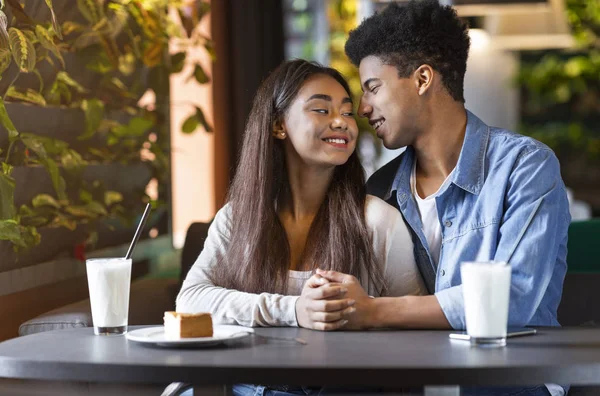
point(382, 358)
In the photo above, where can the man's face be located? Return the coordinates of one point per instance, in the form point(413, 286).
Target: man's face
point(391, 103)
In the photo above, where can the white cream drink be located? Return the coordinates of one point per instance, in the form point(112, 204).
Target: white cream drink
point(486, 292)
point(108, 281)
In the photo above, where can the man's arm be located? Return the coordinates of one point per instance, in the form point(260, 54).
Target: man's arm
point(534, 225)
point(410, 312)
point(399, 312)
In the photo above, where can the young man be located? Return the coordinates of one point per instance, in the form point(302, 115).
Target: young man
point(468, 191)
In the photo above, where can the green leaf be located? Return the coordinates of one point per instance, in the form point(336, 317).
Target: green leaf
point(55, 23)
point(91, 10)
point(31, 36)
point(97, 207)
point(85, 196)
point(22, 50)
point(177, 62)
point(94, 113)
point(40, 79)
point(63, 221)
point(190, 124)
point(57, 180)
point(5, 59)
point(80, 211)
point(65, 78)
point(99, 63)
point(137, 126)
point(45, 200)
point(7, 202)
point(202, 120)
point(127, 63)
point(10, 231)
point(29, 95)
point(112, 197)
point(44, 146)
point(47, 42)
point(7, 169)
point(72, 161)
point(91, 210)
point(210, 48)
point(200, 75)
point(37, 217)
point(4, 39)
point(7, 122)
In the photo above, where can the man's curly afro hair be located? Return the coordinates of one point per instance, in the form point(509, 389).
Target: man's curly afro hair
point(415, 33)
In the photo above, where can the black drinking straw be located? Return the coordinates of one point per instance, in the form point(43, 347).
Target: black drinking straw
point(138, 232)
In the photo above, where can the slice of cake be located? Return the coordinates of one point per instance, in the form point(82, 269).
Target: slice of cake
point(186, 325)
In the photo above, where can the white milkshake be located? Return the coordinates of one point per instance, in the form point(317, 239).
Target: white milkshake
point(486, 292)
point(108, 281)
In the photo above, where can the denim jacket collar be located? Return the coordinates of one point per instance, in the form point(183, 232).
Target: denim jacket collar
point(470, 170)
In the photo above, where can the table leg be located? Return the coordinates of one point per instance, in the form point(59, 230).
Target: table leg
point(214, 390)
point(452, 390)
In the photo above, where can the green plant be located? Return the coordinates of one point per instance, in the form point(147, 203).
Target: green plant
point(124, 45)
point(562, 88)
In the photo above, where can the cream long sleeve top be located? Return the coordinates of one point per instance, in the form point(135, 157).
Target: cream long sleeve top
point(392, 247)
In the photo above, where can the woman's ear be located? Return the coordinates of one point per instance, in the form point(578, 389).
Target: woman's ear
point(423, 78)
point(279, 130)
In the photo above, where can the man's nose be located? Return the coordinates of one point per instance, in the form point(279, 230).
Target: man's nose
point(364, 108)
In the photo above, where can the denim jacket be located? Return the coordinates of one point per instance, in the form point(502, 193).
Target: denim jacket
point(505, 201)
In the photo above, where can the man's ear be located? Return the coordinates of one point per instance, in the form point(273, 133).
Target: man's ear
point(279, 131)
point(423, 78)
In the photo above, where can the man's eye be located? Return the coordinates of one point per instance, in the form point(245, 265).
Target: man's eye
point(321, 111)
point(349, 114)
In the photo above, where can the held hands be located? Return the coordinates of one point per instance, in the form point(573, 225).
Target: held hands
point(364, 305)
point(323, 305)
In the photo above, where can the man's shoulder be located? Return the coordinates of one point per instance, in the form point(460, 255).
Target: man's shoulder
point(504, 142)
point(380, 182)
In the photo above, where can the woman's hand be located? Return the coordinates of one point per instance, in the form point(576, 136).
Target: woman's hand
point(322, 305)
point(364, 305)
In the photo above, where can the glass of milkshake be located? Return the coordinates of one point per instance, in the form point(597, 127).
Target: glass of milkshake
point(108, 281)
point(486, 292)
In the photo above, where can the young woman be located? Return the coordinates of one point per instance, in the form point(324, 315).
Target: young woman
point(297, 204)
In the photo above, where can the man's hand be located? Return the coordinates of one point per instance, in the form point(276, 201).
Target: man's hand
point(363, 317)
point(323, 305)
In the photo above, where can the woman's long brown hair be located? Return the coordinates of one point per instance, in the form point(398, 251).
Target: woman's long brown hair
point(258, 256)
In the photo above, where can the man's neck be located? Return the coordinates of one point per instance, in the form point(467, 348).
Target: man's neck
point(438, 148)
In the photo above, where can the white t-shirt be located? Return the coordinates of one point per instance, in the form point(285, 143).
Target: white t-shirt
point(427, 207)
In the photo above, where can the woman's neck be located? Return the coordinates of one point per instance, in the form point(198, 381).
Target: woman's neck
point(308, 188)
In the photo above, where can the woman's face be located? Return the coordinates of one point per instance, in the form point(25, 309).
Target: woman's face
point(319, 126)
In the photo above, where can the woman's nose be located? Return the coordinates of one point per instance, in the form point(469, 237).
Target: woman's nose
point(339, 123)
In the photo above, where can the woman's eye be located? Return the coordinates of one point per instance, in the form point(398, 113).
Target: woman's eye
point(375, 89)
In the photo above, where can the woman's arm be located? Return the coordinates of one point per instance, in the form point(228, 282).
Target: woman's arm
point(227, 306)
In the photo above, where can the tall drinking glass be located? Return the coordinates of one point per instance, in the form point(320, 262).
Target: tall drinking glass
point(108, 281)
point(486, 292)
